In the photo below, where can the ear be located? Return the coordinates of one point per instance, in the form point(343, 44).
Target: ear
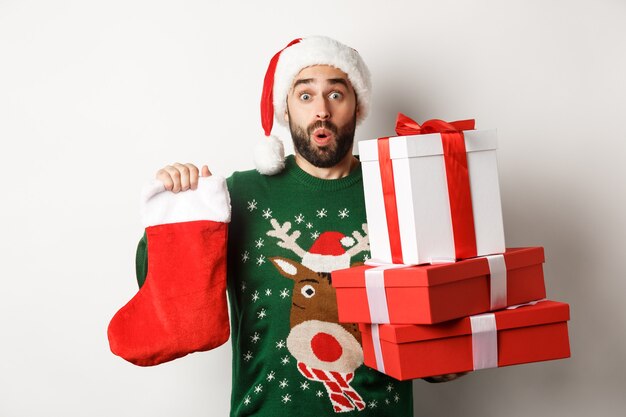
point(291, 269)
point(286, 115)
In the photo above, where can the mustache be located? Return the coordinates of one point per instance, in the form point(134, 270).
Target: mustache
point(321, 124)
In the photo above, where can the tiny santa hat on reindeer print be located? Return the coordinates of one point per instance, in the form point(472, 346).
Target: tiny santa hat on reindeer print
point(269, 155)
point(328, 252)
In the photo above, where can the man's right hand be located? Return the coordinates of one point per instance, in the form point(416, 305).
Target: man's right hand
point(181, 177)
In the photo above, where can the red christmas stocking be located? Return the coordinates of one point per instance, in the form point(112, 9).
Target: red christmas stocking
point(182, 307)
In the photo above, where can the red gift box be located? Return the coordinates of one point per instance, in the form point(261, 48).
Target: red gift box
point(526, 334)
point(429, 294)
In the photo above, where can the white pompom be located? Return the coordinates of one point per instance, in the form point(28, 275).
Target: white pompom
point(269, 156)
point(347, 241)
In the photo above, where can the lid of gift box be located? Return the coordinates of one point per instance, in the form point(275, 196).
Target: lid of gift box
point(401, 147)
point(438, 274)
point(544, 312)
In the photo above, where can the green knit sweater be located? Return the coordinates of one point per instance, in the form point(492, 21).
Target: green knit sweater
point(290, 356)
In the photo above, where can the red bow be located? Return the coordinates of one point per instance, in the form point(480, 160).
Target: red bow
point(405, 126)
point(457, 176)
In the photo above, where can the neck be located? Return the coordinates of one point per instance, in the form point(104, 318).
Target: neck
point(342, 169)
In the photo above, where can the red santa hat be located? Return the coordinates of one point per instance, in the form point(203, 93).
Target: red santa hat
point(328, 252)
point(269, 155)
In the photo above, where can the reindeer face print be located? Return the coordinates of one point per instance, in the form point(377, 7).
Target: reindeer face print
point(313, 296)
point(327, 351)
point(316, 338)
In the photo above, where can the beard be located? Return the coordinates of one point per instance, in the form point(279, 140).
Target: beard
point(323, 156)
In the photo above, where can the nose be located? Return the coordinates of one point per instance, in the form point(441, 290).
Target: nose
point(322, 112)
point(326, 347)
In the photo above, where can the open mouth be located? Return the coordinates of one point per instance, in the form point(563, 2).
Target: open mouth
point(322, 137)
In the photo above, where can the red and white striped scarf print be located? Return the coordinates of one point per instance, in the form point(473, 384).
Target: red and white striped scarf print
point(342, 396)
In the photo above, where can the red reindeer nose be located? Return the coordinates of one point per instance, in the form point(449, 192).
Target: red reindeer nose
point(326, 347)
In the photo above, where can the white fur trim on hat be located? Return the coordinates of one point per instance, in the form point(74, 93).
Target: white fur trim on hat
point(210, 201)
point(325, 263)
point(320, 50)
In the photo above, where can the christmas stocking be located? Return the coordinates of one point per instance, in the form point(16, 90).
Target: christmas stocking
point(182, 307)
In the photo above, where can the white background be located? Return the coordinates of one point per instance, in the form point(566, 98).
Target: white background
point(95, 96)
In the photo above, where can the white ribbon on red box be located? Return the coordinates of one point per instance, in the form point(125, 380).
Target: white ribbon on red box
point(484, 339)
point(378, 350)
point(377, 301)
point(377, 296)
point(497, 281)
point(484, 343)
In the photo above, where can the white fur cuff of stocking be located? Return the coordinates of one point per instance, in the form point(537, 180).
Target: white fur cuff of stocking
point(210, 201)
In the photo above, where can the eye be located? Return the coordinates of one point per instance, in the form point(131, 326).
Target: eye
point(308, 291)
point(305, 97)
point(335, 95)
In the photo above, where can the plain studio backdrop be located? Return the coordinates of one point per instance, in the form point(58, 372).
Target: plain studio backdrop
point(95, 96)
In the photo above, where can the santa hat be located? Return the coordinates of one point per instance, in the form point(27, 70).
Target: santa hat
point(328, 252)
point(269, 155)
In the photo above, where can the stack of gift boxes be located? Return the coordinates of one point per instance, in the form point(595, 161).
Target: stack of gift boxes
point(441, 294)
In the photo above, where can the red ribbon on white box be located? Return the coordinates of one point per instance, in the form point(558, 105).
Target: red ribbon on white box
point(389, 196)
point(457, 178)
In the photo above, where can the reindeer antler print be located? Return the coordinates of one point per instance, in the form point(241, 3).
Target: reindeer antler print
point(286, 241)
point(362, 241)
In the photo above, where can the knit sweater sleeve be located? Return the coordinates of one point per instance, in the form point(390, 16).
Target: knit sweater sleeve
point(141, 260)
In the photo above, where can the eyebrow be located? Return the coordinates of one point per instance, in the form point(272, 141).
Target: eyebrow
point(339, 81)
point(330, 81)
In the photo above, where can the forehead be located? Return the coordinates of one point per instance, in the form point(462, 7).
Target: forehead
point(321, 74)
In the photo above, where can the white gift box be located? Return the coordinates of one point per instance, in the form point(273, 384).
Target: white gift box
point(423, 204)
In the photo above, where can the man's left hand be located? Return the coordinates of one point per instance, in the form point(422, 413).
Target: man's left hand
point(444, 378)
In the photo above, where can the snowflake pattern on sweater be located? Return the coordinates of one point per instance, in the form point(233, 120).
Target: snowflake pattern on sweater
point(290, 353)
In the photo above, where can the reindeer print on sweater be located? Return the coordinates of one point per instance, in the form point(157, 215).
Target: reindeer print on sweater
point(291, 356)
point(326, 351)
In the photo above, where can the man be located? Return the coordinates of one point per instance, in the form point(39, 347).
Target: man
point(289, 230)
